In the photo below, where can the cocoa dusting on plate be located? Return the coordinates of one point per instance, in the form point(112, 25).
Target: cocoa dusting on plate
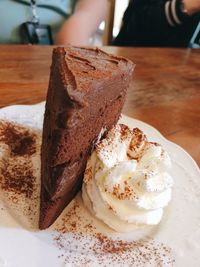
point(17, 177)
point(19, 139)
point(80, 242)
point(16, 167)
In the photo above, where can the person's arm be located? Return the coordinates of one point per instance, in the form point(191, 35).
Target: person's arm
point(178, 12)
point(78, 29)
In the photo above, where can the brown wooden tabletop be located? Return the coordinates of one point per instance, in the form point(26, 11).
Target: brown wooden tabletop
point(165, 91)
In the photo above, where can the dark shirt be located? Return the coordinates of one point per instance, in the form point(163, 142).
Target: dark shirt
point(156, 23)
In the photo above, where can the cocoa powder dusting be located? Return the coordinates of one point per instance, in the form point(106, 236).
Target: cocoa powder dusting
point(88, 175)
point(17, 145)
point(127, 193)
point(18, 178)
point(19, 139)
point(80, 243)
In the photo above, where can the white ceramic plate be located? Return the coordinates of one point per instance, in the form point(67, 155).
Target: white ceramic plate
point(179, 229)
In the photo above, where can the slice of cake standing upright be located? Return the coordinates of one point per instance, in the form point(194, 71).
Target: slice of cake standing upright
point(86, 93)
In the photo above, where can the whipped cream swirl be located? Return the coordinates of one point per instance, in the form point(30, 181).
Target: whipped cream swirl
point(126, 182)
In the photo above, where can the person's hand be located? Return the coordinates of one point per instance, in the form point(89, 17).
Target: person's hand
point(192, 6)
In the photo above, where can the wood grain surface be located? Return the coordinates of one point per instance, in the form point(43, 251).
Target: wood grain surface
point(165, 90)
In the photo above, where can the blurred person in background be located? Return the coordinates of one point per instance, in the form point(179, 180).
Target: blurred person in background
point(172, 23)
point(50, 21)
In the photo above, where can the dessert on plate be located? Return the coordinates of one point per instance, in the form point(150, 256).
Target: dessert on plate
point(87, 89)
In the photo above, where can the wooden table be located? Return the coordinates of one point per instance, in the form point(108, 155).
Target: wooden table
point(165, 91)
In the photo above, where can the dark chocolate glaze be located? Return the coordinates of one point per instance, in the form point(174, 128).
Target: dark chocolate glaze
point(86, 93)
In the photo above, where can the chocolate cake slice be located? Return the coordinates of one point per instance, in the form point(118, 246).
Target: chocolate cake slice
point(86, 93)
